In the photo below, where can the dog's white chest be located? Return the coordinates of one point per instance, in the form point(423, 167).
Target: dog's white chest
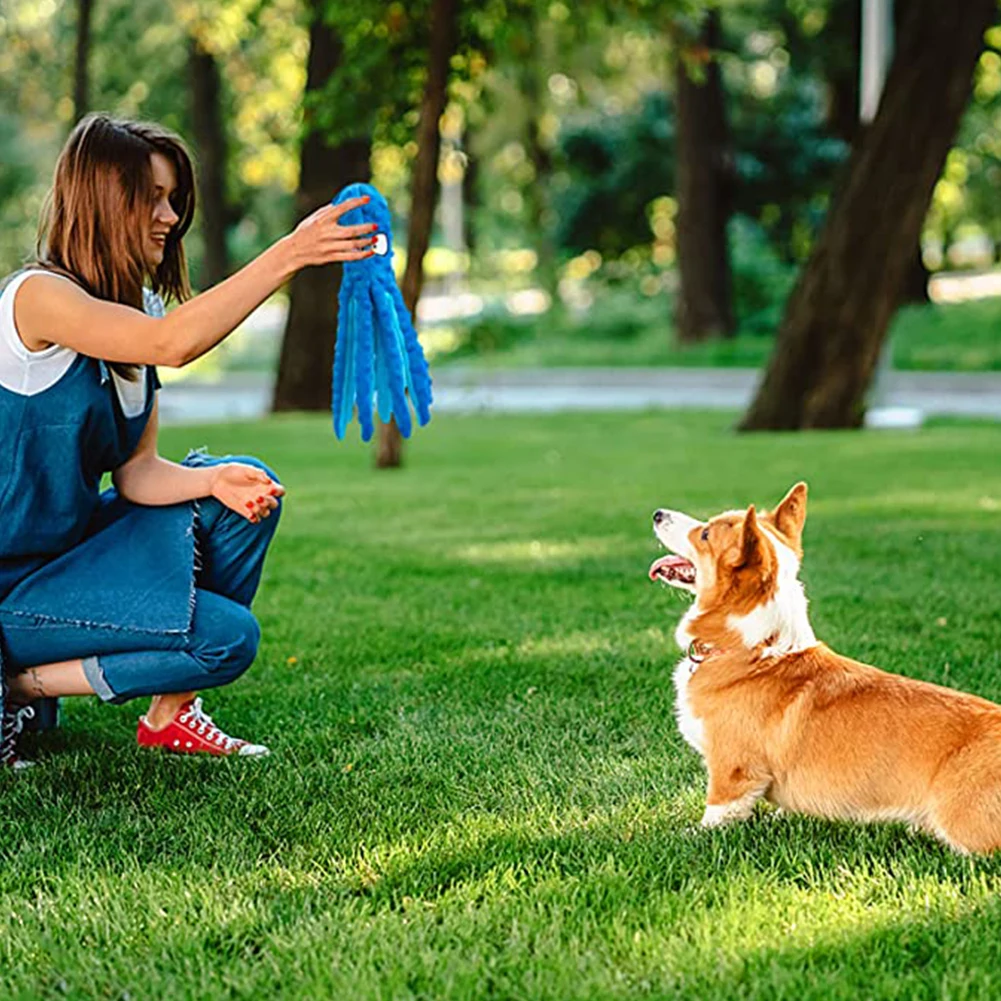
point(689, 724)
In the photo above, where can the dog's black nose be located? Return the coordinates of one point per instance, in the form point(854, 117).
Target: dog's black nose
point(659, 515)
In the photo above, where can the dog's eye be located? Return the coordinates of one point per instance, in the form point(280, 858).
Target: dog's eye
point(705, 534)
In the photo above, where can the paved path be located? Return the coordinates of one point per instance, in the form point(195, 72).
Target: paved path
point(460, 390)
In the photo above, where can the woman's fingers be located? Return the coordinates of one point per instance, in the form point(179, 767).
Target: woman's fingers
point(365, 243)
point(364, 229)
point(351, 255)
point(352, 203)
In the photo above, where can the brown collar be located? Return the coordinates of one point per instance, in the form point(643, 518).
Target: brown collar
point(698, 652)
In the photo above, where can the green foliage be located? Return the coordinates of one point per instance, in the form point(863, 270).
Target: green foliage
point(617, 166)
point(966, 198)
point(17, 203)
point(493, 332)
point(379, 69)
point(762, 280)
point(618, 319)
point(32, 80)
point(785, 157)
point(786, 160)
point(478, 787)
point(565, 109)
point(625, 327)
point(138, 69)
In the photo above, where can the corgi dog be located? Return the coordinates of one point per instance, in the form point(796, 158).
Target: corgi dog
point(777, 714)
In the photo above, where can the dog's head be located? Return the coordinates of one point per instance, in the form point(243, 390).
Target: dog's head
point(735, 562)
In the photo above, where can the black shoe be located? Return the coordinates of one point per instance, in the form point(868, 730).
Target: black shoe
point(10, 730)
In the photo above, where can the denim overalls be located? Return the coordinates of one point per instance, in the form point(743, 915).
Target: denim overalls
point(153, 599)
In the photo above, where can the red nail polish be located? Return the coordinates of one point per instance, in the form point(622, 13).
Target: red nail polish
point(260, 500)
point(250, 505)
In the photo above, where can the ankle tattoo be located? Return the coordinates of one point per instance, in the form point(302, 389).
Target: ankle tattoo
point(35, 684)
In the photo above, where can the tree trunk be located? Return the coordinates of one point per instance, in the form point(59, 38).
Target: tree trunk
point(81, 75)
point(837, 317)
point(915, 285)
point(470, 200)
point(210, 142)
point(304, 370)
point(703, 307)
point(538, 200)
point(423, 187)
point(842, 66)
point(534, 87)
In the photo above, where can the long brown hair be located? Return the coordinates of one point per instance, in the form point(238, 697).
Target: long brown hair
point(98, 211)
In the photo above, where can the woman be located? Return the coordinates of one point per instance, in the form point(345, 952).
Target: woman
point(144, 589)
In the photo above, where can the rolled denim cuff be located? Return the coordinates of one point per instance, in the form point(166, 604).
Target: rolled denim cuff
point(95, 678)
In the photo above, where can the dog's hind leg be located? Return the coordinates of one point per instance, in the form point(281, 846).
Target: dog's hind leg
point(733, 791)
point(966, 800)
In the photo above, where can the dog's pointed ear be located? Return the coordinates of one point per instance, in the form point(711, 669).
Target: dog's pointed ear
point(790, 515)
point(751, 538)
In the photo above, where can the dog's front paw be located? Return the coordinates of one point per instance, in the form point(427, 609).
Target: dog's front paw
point(719, 814)
point(716, 816)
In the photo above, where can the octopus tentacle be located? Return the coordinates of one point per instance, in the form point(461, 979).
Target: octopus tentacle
point(419, 381)
point(364, 362)
point(344, 374)
point(395, 361)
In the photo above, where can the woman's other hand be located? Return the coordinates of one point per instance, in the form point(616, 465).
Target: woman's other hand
point(321, 239)
point(247, 490)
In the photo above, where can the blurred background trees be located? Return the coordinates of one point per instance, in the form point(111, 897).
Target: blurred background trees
point(603, 181)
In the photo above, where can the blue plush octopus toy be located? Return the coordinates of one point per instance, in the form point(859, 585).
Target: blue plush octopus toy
point(377, 352)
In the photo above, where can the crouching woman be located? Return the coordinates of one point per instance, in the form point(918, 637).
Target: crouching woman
point(143, 589)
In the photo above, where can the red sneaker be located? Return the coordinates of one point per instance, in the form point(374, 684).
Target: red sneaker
point(191, 731)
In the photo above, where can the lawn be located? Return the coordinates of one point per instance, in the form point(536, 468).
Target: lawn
point(477, 787)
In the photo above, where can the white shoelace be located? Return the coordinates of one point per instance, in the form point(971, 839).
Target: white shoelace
point(200, 722)
point(13, 724)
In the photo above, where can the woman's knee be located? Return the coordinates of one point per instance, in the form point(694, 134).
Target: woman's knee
point(212, 508)
point(225, 636)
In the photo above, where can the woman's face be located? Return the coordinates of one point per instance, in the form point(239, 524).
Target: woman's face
point(164, 218)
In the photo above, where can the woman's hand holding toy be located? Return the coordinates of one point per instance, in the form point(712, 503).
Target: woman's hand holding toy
point(320, 239)
point(246, 490)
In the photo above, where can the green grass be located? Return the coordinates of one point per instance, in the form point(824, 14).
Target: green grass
point(962, 337)
point(477, 787)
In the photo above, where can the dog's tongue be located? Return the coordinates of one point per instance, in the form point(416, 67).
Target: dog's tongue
point(663, 566)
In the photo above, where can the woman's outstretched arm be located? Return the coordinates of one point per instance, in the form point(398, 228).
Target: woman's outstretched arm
point(49, 310)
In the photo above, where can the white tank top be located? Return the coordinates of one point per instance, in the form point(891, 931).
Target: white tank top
point(29, 372)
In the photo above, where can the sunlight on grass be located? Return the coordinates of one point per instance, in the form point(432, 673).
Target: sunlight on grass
point(536, 551)
point(573, 643)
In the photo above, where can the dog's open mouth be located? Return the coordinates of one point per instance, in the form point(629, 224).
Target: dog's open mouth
point(673, 570)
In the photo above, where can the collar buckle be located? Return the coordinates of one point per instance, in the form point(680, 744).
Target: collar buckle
point(697, 653)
